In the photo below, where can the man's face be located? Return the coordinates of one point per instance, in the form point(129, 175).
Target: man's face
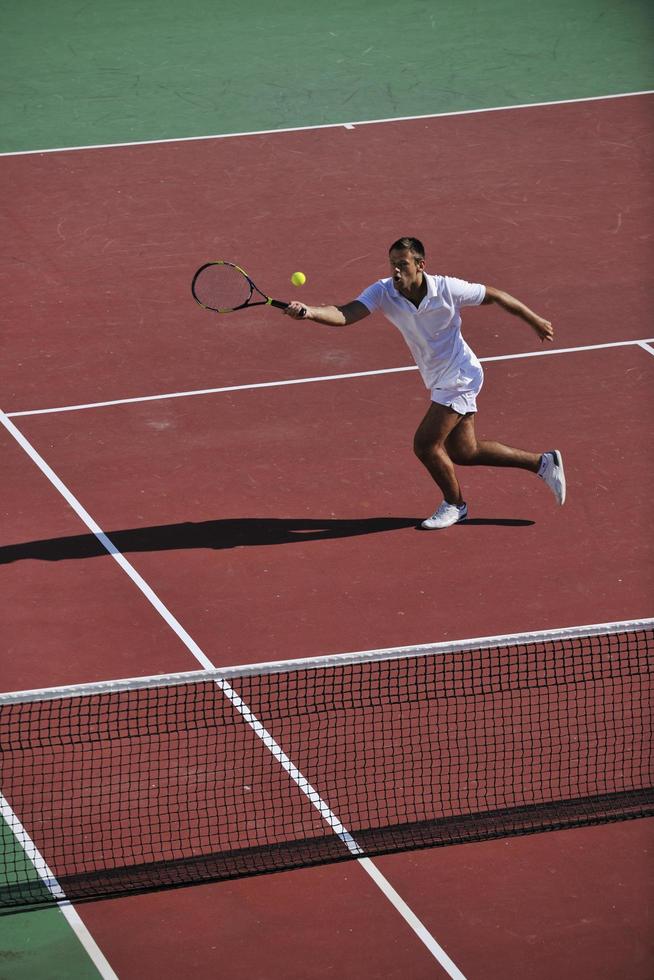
point(406, 269)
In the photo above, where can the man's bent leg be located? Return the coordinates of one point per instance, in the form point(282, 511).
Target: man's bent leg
point(465, 450)
point(429, 445)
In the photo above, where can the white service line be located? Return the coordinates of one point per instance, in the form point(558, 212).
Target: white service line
point(312, 795)
point(646, 345)
point(339, 125)
point(304, 381)
point(545, 352)
point(210, 391)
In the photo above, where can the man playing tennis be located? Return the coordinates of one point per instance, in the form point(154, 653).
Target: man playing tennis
point(426, 310)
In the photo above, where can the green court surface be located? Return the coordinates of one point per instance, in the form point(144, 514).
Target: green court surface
point(39, 944)
point(77, 74)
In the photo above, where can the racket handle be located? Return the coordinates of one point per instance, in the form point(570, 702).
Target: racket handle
point(279, 305)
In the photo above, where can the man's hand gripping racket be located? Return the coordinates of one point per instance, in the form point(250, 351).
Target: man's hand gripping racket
point(224, 287)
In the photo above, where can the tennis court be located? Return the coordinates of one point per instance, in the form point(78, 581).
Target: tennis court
point(184, 490)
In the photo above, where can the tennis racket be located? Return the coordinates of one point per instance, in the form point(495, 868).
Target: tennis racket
point(224, 287)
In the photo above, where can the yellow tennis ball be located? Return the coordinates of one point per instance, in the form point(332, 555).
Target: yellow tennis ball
point(298, 279)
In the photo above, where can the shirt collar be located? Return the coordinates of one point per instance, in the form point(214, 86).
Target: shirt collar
point(432, 290)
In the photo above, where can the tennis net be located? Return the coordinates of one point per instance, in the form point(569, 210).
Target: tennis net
point(128, 786)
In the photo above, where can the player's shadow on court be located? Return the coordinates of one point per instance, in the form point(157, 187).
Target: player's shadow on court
point(495, 522)
point(229, 533)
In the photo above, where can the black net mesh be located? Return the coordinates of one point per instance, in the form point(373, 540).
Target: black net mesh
point(170, 785)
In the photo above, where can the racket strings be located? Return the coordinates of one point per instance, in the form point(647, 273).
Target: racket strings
point(221, 287)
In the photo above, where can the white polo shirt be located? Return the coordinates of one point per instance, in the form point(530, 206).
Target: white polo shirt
point(433, 331)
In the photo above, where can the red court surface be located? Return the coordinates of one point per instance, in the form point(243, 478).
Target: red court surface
point(537, 907)
point(262, 552)
point(550, 203)
point(280, 522)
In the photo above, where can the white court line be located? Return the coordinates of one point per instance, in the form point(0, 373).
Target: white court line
point(210, 391)
point(71, 915)
point(341, 125)
point(304, 381)
point(646, 345)
point(326, 813)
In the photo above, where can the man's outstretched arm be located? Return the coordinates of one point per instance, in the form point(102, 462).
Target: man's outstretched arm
point(332, 316)
point(543, 328)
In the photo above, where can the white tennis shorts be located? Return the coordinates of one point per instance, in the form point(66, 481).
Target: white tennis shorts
point(461, 400)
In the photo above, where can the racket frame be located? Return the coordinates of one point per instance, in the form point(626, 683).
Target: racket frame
point(264, 301)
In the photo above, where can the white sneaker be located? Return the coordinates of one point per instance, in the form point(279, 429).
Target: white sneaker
point(551, 471)
point(446, 516)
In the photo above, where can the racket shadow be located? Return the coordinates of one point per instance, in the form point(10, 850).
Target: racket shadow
point(215, 535)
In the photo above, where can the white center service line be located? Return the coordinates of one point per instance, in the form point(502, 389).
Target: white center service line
point(312, 795)
point(313, 380)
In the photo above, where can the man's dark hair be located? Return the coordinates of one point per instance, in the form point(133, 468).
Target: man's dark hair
point(413, 244)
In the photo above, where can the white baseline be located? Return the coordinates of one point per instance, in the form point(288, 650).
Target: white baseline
point(339, 125)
